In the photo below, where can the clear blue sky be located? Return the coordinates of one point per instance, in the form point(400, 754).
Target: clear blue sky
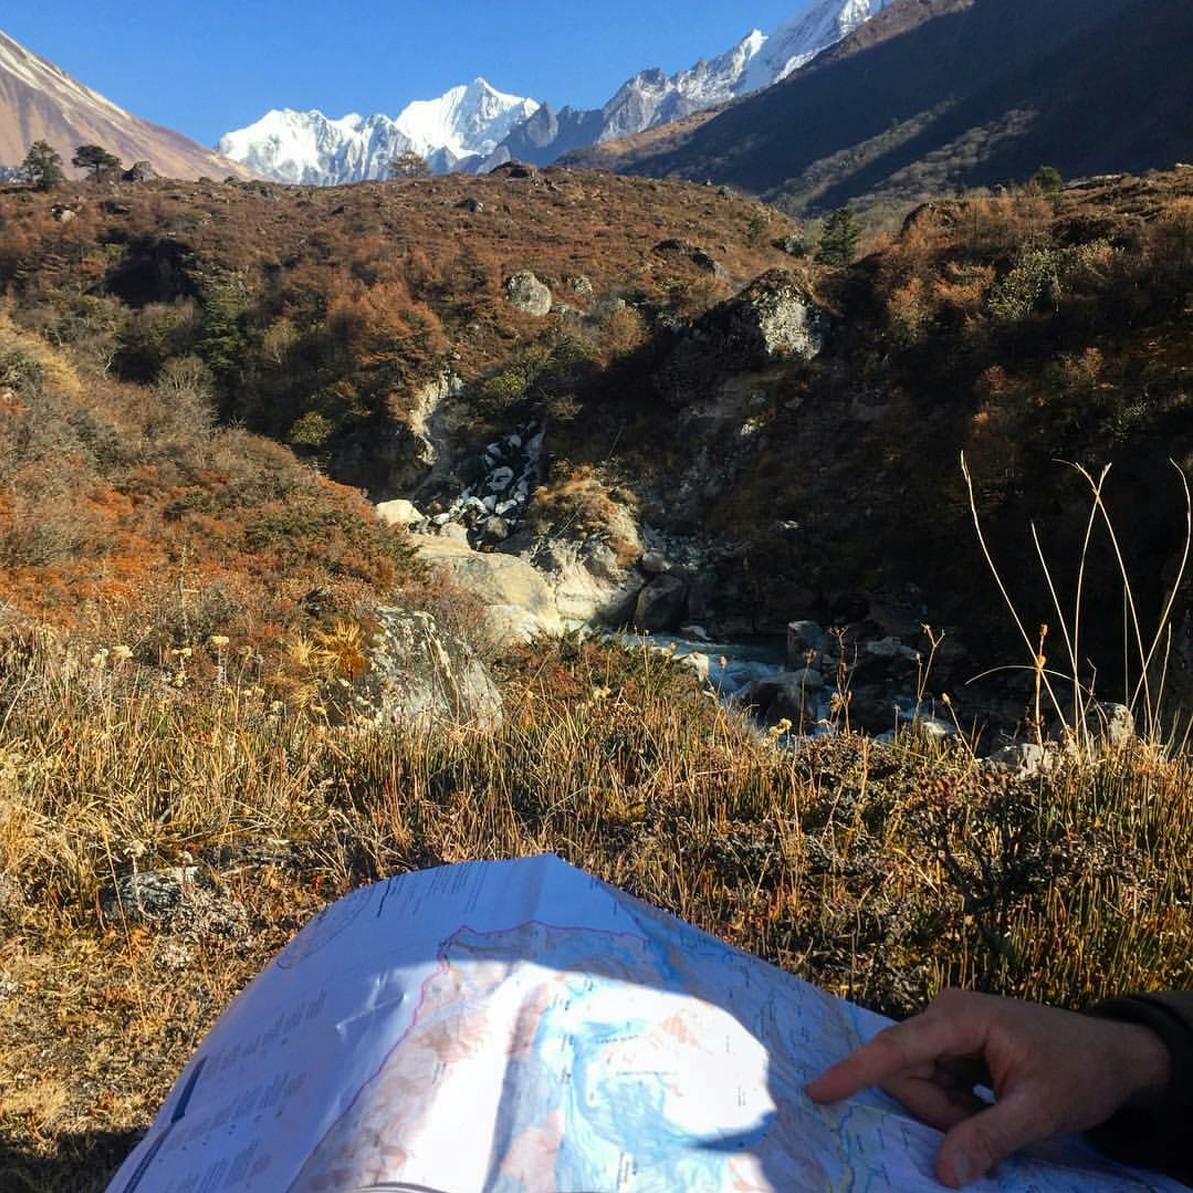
point(207, 66)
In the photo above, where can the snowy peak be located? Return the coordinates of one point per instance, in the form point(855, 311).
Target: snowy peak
point(796, 42)
point(466, 120)
point(757, 61)
point(465, 123)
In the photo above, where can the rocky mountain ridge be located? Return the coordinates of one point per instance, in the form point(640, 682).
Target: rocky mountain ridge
point(38, 101)
point(476, 128)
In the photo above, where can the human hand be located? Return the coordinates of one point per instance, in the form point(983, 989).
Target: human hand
point(1051, 1071)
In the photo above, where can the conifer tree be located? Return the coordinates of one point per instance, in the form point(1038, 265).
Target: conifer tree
point(839, 240)
point(1048, 179)
point(96, 159)
point(43, 166)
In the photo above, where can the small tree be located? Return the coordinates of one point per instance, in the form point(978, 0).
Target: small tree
point(839, 239)
point(410, 165)
point(43, 167)
point(756, 229)
point(96, 159)
point(1048, 179)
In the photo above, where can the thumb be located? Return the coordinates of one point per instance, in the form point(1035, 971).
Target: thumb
point(976, 1145)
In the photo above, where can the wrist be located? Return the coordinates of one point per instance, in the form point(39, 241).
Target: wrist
point(1146, 1063)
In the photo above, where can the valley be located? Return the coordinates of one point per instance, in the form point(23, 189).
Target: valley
point(769, 493)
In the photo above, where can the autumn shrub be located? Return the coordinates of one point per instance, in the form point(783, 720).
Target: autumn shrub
point(538, 376)
point(575, 501)
point(1172, 238)
point(1000, 225)
point(154, 335)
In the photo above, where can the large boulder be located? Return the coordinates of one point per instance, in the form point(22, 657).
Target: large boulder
point(528, 294)
point(399, 513)
point(774, 317)
point(662, 604)
point(589, 583)
point(140, 172)
point(420, 675)
point(805, 638)
point(792, 696)
point(518, 603)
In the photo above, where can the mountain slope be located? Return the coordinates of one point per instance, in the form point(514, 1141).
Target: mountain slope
point(973, 92)
point(462, 126)
point(652, 98)
point(40, 102)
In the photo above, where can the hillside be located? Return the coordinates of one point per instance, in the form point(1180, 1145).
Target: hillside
point(39, 102)
point(198, 379)
point(932, 95)
point(380, 332)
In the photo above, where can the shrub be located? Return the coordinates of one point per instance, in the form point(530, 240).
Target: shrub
point(1032, 280)
point(1048, 179)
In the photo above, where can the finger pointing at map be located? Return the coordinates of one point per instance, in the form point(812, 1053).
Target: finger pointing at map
point(1051, 1071)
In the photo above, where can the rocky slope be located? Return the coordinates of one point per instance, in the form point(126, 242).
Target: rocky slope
point(40, 102)
point(973, 92)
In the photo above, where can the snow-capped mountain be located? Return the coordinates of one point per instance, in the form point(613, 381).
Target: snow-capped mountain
point(653, 98)
point(477, 127)
point(39, 102)
point(461, 127)
point(797, 41)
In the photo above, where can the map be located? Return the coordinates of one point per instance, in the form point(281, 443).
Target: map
point(520, 1027)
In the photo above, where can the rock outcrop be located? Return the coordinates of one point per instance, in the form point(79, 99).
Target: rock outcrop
point(662, 604)
point(775, 318)
point(420, 675)
point(399, 513)
point(528, 294)
point(589, 584)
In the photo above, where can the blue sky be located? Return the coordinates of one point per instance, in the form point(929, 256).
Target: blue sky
point(207, 66)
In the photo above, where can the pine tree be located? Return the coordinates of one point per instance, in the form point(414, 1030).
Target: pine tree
point(43, 167)
point(839, 240)
point(96, 159)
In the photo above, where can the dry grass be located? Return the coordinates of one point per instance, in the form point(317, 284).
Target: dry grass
point(881, 873)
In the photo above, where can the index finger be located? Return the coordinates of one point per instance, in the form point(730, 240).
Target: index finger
point(894, 1050)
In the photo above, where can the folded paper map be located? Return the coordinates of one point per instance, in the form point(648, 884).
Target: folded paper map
point(520, 1027)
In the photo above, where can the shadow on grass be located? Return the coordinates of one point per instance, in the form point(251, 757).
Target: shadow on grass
point(82, 1163)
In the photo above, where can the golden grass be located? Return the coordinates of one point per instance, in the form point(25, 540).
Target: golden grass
point(881, 873)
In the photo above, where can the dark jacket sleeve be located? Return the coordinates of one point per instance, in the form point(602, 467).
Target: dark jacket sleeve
point(1158, 1136)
